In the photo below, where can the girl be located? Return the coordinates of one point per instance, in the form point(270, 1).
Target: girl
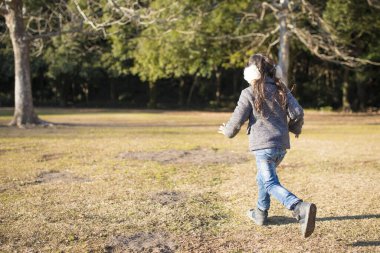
point(267, 104)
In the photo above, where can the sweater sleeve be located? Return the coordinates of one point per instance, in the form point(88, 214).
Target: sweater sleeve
point(239, 116)
point(295, 114)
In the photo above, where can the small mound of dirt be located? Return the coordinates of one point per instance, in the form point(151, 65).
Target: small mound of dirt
point(167, 197)
point(2, 151)
point(141, 242)
point(48, 157)
point(58, 176)
point(194, 156)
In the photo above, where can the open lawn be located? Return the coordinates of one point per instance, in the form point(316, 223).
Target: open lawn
point(157, 181)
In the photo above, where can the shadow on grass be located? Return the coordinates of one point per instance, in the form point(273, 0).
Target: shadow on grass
point(116, 125)
point(365, 243)
point(133, 125)
point(283, 220)
point(351, 217)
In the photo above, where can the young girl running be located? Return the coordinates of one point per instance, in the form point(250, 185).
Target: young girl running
point(267, 104)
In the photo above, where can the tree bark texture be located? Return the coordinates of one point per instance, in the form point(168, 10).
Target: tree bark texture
point(24, 111)
point(192, 88)
point(345, 101)
point(283, 53)
point(152, 95)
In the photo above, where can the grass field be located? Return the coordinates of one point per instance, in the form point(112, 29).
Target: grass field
point(156, 181)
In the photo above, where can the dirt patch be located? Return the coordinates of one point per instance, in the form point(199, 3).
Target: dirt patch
point(194, 156)
point(48, 157)
point(167, 197)
point(57, 177)
point(3, 188)
point(3, 151)
point(292, 165)
point(44, 177)
point(141, 242)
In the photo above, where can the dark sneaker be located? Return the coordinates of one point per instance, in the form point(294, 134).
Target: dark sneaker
point(258, 216)
point(305, 213)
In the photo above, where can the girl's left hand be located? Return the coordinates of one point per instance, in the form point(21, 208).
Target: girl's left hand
point(222, 129)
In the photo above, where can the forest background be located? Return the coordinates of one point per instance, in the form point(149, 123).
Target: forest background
point(191, 53)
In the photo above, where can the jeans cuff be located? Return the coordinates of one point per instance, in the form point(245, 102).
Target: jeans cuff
point(292, 206)
point(262, 209)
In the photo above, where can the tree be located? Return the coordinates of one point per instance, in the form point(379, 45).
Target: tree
point(24, 110)
point(197, 44)
point(356, 27)
point(43, 20)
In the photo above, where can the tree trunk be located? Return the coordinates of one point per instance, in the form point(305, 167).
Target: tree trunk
point(360, 90)
point(345, 102)
point(181, 92)
point(235, 84)
point(192, 88)
point(218, 76)
point(24, 111)
point(152, 95)
point(112, 91)
point(283, 53)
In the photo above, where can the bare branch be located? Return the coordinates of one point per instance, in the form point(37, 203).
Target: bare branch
point(133, 12)
point(238, 37)
point(86, 19)
point(3, 10)
point(274, 31)
point(374, 3)
point(314, 15)
point(327, 50)
point(265, 6)
point(56, 33)
point(272, 45)
point(323, 44)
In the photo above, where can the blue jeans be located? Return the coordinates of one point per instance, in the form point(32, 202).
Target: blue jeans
point(267, 181)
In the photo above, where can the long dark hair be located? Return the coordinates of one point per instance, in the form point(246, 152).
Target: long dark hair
point(267, 68)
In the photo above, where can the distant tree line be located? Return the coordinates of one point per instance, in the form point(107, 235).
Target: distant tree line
point(191, 53)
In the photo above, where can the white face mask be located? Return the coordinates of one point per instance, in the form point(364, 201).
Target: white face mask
point(252, 73)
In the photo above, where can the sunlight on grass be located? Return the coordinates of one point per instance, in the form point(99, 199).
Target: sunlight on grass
point(67, 187)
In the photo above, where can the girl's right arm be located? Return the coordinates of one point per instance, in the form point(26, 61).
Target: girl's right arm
point(239, 116)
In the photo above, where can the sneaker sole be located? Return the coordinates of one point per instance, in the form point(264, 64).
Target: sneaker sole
point(310, 220)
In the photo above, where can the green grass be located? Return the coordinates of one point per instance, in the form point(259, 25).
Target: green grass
point(66, 188)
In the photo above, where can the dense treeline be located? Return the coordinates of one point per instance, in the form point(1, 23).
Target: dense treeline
point(195, 58)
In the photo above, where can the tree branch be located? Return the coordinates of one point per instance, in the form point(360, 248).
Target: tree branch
point(54, 34)
point(327, 50)
point(266, 5)
point(3, 11)
point(373, 4)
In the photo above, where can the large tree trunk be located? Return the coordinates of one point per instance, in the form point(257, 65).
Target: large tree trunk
point(192, 88)
point(24, 111)
point(360, 91)
point(345, 101)
point(152, 95)
point(283, 53)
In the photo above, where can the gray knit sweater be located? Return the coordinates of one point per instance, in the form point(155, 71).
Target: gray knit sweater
point(272, 129)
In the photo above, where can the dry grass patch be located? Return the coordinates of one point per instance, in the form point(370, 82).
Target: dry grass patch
point(194, 156)
point(156, 181)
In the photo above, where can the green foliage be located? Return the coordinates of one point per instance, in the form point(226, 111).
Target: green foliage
point(356, 25)
point(194, 43)
point(74, 63)
point(188, 40)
